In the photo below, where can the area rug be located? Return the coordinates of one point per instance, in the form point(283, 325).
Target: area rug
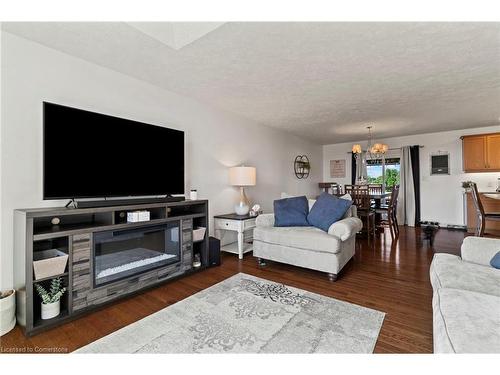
point(247, 314)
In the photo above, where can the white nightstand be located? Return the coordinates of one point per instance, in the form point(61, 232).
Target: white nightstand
point(243, 225)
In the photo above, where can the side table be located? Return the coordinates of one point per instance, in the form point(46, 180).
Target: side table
point(238, 224)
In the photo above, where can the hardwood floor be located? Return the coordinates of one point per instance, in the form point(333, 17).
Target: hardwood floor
point(390, 277)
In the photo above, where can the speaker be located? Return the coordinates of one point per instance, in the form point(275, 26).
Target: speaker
point(213, 252)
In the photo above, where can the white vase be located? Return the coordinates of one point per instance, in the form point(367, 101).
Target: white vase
point(7, 313)
point(51, 310)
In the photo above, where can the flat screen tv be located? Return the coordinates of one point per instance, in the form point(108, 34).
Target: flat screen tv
point(92, 155)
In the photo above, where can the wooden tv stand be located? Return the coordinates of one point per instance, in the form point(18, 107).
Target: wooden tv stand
point(74, 235)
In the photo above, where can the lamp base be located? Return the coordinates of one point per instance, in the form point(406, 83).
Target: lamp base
point(241, 210)
point(243, 205)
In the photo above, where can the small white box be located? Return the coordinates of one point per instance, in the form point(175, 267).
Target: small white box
point(144, 215)
point(138, 216)
point(132, 217)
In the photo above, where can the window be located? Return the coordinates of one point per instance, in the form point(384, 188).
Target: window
point(376, 170)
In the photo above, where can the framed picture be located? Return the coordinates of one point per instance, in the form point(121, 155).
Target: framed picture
point(337, 168)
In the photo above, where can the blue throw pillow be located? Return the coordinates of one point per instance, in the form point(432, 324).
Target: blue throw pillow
point(327, 210)
point(495, 261)
point(291, 212)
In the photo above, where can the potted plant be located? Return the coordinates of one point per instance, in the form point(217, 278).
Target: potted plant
point(51, 300)
point(7, 311)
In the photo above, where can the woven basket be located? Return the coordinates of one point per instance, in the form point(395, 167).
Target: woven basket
point(49, 263)
point(199, 234)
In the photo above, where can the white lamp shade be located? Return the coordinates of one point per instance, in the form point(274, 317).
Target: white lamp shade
point(242, 176)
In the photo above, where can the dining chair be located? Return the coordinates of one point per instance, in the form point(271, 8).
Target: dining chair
point(361, 199)
point(375, 188)
point(481, 216)
point(325, 186)
point(390, 211)
point(336, 189)
point(349, 188)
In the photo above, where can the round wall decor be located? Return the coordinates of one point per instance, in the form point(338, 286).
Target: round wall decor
point(301, 166)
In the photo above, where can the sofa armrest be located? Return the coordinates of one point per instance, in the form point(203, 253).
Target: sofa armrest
point(479, 250)
point(345, 228)
point(265, 220)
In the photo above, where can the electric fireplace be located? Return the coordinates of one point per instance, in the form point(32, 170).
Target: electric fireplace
point(122, 253)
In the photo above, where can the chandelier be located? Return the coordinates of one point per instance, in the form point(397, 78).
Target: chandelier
point(374, 151)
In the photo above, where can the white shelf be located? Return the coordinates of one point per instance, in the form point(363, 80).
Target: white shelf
point(233, 248)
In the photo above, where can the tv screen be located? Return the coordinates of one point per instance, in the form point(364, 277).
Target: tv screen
point(90, 155)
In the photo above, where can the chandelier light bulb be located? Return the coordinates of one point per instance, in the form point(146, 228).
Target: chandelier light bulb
point(371, 150)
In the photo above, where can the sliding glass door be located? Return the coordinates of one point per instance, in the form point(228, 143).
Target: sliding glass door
point(384, 171)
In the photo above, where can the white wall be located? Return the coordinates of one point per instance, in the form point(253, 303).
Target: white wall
point(1, 132)
point(441, 196)
point(216, 140)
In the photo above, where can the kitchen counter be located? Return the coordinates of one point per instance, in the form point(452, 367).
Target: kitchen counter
point(492, 195)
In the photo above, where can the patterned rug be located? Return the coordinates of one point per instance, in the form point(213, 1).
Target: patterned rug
point(247, 314)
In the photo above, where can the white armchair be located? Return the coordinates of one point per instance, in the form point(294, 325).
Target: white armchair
point(307, 247)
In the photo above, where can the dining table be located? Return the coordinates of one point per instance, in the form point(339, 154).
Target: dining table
point(377, 198)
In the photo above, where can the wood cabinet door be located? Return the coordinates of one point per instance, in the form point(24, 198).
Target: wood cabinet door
point(493, 152)
point(474, 152)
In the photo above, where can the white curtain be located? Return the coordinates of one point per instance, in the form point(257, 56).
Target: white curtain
point(406, 198)
point(361, 168)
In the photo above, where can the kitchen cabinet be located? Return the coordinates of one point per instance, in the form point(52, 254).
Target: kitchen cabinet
point(481, 152)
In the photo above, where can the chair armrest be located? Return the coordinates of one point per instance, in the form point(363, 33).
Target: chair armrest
point(479, 250)
point(345, 228)
point(265, 220)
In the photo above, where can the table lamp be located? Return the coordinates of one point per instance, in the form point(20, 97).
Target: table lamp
point(241, 177)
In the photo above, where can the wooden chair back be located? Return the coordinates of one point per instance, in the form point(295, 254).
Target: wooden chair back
point(334, 186)
point(360, 198)
point(336, 189)
point(393, 201)
point(375, 188)
point(348, 189)
point(476, 199)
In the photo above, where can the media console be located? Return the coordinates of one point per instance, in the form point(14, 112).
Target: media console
point(108, 258)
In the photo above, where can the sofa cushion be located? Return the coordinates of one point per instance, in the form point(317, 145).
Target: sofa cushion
point(310, 202)
point(495, 261)
point(351, 212)
point(291, 212)
point(306, 238)
point(466, 322)
point(450, 271)
point(327, 210)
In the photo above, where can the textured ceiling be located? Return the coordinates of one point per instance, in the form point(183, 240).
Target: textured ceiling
point(176, 34)
point(322, 81)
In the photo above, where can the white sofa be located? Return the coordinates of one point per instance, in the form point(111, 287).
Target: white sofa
point(466, 299)
point(307, 247)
